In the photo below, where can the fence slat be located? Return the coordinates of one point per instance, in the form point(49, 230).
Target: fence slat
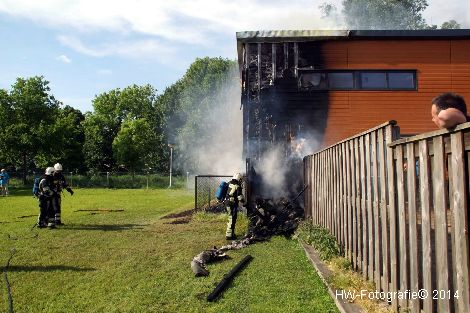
point(340, 197)
point(440, 214)
point(330, 192)
point(393, 219)
point(425, 179)
point(315, 188)
point(375, 202)
point(370, 221)
point(402, 249)
point(460, 223)
point(348, 182)
point(318, 193)
point(353, 202)
point(413, 234)
point(325, 192)
point(335, 192)
point(383, 212)
point(357, 204)
point(365, 262)
point(344, 199)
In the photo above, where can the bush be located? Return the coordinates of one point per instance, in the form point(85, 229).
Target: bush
point(319, 238)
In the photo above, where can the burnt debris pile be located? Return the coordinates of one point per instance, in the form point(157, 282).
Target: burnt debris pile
point(267, 219)
point(271, 218)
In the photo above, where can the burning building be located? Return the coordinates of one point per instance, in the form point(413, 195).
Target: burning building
point(302, 90)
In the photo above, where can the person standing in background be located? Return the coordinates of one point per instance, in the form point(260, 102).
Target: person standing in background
point(4, 180)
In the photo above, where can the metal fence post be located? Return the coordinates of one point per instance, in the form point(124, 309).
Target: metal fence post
point(195, 192)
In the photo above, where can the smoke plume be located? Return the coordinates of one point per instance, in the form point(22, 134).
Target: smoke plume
point(218, 144)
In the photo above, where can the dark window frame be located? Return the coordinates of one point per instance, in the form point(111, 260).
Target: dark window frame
point(357, 86)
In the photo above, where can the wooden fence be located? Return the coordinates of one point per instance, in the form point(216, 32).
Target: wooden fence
point(398, 208)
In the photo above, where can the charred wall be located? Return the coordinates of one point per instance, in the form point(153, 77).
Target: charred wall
point(275, 113)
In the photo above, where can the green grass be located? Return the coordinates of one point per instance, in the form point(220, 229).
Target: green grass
point(133, 261)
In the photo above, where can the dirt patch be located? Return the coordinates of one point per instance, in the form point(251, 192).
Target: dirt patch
point(181, 214)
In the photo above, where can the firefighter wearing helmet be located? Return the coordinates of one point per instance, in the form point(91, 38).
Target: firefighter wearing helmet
point(45, 195)
point(233, 198)
point(59, 184)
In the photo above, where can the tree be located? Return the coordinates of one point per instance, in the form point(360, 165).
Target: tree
point(97, 148)
point(452, 24)
point(386, 14)
point(111, 109)
point(68, 138)
point(27, 113)
point(189, 108)
point(133, 143)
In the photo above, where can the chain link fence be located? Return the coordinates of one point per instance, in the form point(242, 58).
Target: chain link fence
point(205, 187)
point(111, 180)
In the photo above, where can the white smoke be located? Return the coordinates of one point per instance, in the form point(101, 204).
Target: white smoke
point(220, 153)
point(280, 167)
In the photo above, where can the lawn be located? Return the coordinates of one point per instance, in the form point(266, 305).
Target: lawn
point(122, 257)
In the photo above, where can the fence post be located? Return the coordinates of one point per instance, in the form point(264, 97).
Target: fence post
point(107, 179)
point(195, 193)
point(459, 201)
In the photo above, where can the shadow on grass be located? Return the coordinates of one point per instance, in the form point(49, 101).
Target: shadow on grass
point(112, 227)
point(17, 192)
point(47, 268)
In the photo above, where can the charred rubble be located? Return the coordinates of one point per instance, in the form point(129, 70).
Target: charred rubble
point(267, 219)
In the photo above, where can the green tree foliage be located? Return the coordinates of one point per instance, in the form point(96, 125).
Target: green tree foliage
point(452, 24)
point(384, 14)
point(97, 148)
point(131, 145)
point(189, 101)
point(68, 138)
point(27, 112)
point(111, 110)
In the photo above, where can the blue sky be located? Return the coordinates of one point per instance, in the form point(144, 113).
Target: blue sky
point(86, 47)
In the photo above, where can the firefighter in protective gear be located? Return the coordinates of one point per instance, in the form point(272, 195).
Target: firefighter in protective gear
point(45, 195)
point(233, 198)
point(59, 184)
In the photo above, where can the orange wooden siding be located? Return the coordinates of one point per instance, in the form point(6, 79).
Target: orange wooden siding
point(442, 66)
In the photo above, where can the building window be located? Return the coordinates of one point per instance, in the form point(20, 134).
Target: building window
point(357, 79)
point(401, 80)
point(373, 80)
point(340, 80)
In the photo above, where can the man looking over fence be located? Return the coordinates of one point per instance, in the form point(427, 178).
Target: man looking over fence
point(448, 110)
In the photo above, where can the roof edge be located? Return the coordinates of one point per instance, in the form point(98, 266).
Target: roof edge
point(317, 35)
